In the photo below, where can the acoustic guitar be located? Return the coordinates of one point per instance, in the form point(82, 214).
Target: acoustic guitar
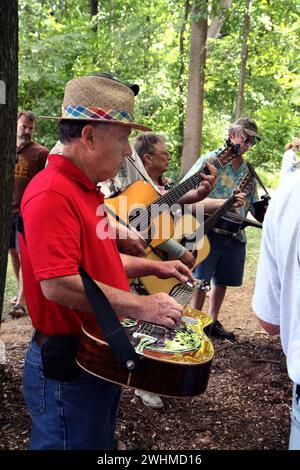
point(192, 234)
point(150, 215)
point(174, 362)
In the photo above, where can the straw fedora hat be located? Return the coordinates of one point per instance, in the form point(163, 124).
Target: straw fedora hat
point(99, 98)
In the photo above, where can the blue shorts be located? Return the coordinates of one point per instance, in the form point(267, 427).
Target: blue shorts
point(225, 262)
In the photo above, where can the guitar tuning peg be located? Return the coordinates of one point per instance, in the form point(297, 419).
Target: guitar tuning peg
point(201, 284)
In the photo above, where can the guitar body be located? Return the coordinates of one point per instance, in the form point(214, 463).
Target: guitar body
point(174, 363)
point(132, 200)
point(183, 233)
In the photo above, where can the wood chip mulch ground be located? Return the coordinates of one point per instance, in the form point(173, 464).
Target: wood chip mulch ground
point(246, 405)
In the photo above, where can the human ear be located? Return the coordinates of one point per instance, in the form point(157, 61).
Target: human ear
point(147, 159)
point(88, 134)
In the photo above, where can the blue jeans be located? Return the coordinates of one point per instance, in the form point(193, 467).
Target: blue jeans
point(295, 421)
point(75, 415)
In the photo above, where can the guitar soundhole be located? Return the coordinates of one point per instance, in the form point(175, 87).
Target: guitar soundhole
point(192, 239)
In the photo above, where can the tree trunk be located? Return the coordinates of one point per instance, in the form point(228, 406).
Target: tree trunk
point(8, 119)
point(243, 63)
point(194, 109)
point(187, 7)
point(218, 21)
point(94, 12)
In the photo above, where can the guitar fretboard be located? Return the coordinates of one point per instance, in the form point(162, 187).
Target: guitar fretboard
point(152, 210)
point(183, 294)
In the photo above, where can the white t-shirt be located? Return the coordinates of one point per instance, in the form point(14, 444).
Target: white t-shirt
point(288, 164)
point(277, 292)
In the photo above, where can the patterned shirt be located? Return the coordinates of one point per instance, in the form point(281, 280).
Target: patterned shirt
point(228, 179)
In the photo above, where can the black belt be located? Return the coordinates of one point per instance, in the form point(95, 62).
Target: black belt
point(40, 338)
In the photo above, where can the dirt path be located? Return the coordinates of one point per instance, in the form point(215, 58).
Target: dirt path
point(246, 405)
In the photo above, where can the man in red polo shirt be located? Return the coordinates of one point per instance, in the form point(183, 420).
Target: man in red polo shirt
point(61, 227)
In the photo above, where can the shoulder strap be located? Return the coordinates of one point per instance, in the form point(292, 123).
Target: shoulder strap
point(254, 174)
point(130, 159)
point(108, 321)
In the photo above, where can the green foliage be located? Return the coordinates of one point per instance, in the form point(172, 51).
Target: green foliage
point(253, 246)
point(139, 42)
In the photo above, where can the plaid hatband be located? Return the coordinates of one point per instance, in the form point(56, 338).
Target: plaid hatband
point(94, 113)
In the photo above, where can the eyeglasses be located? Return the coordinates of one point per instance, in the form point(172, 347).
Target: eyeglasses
point(163, 154)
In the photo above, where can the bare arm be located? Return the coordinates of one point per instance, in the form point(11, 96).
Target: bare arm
point(269, 327)
point(135, 267)
point(204, 189)
point(128, 240)
point(157, 308)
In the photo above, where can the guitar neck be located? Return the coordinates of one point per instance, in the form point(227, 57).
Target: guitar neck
point(213, 219)
point(153, 209)
point(180, 190)
point(183, 294)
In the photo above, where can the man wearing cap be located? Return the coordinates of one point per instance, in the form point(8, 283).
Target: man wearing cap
point(225, 262)
point(60, 211)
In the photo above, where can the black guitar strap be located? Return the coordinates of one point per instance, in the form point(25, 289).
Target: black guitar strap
point(106, 317)
point(112, 329)
point(254, 174)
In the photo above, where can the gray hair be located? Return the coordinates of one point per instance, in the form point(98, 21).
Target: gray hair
point(236, 128)
point(145, 143)
point(28, 115)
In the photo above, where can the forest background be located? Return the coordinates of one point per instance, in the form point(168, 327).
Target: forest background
point(149, 43)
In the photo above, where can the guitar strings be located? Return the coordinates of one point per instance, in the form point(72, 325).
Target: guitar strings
point(183, 294)
point(143, 217)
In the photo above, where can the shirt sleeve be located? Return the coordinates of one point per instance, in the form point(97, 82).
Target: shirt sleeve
point(254, 198)
point(43, 158)
point(266, 299)
point(52, 233)
point(195, 168)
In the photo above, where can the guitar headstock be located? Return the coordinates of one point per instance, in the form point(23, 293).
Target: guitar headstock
point(198, 284)
point(229, 153)
point(244, 183)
